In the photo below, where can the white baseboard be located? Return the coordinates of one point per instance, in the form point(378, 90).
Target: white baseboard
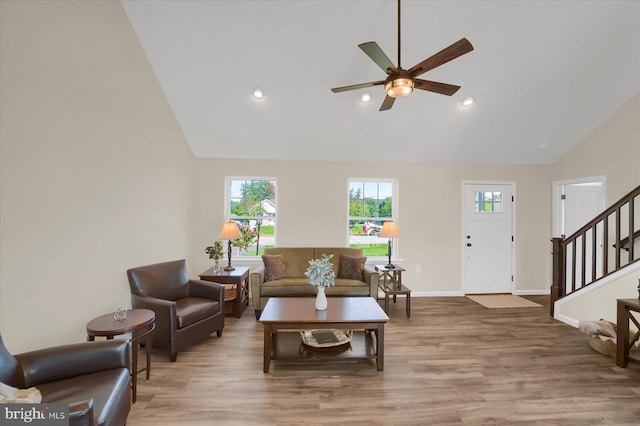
point(461, 293)
point(437, 294)
point(567, 320)
point(532, 292)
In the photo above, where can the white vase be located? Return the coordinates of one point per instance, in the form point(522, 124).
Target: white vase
point(321, 299)
point(216, 266)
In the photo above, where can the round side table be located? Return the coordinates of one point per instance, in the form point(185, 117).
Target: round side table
point(140, 323)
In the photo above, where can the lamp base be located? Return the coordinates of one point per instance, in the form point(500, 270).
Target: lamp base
point(390, 266)
point(229, 268)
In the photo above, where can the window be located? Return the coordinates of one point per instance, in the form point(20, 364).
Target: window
point(251, 203)
point(488, 202)
point(370, 205)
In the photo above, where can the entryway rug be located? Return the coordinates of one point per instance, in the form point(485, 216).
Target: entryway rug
point(503, 301)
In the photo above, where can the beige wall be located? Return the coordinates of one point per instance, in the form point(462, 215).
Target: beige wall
point(611, 150)
point(312, 211)
point(95, 173)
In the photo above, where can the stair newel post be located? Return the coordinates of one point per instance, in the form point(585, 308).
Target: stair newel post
point(558, 278)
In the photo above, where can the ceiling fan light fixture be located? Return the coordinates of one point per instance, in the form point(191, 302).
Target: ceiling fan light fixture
point(399, 87)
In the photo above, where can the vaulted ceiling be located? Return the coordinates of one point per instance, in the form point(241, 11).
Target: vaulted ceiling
point(543, 75)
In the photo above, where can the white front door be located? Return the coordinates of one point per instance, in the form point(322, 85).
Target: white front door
point(488, 238)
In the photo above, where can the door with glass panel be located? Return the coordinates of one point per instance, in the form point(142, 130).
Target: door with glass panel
point(488, 238)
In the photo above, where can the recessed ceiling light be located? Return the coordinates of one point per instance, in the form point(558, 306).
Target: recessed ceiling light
point(543, 145)
point(467, 101)
point(258, 93)
point(365, 97)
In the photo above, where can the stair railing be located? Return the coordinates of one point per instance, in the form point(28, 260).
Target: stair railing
point(601, 247)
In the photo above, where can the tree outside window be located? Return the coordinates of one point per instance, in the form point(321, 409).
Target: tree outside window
point(370, 205)
point(252, 205)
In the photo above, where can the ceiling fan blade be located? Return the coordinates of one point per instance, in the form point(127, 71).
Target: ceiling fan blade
point(373, 51)
point(356, 86)
point(387, 103)
point(447, 54)
point(434, 86)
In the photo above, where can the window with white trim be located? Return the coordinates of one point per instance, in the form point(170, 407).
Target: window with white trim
point(251, 203)
point(371, 203)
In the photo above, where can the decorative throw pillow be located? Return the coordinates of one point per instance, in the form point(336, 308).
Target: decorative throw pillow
point(273, 267)
point(352, 267)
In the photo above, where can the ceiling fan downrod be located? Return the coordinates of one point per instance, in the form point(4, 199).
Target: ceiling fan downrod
point(399, 66)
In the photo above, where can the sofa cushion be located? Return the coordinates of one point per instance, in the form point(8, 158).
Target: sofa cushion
point(190, 310)
point(274, 267)
point(352, 267)
point(296, 259)
point(288, 287)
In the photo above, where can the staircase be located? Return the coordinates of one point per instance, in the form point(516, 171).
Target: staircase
point(606, 244)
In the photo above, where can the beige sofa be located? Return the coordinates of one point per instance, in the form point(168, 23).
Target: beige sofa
point(295, 284)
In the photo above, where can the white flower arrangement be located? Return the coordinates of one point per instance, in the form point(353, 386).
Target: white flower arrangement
point(320, 272)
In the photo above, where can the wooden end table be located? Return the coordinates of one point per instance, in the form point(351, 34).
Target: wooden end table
point(299, 313)
point(391, 284)
point(140, 323)
point(236, 282)
point(623, 344)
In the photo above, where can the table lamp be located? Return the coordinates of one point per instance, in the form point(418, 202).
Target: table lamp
point(389, 230)
point(229, 232)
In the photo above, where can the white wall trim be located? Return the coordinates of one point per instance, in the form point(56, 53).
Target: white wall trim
point(567, 320)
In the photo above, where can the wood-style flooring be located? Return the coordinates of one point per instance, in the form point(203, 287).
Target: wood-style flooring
point(454, 362)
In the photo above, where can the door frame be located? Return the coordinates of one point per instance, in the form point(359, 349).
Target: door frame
point(556, 192)
point(463, 228)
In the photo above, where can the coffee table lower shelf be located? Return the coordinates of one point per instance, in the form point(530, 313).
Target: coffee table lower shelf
point(287, 346)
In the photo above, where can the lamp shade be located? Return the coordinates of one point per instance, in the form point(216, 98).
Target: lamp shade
point(389, 230)
point(229, 231)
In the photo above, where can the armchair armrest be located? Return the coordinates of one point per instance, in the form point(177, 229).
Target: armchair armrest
point(207, 290)
point(81, 413)
point(61, 362)
point(372, 277)
point(165, 310)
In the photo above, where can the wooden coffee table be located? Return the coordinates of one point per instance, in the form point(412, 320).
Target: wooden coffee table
point(362, 315)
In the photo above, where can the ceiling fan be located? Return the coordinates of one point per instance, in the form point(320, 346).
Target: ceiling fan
point(401, 82)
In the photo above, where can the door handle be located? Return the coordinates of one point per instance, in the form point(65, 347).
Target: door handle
point(468, 244)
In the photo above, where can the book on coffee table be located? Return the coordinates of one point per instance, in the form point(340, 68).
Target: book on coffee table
point(323, 337)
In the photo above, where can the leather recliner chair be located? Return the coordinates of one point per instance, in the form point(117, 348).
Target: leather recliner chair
point(92, 377)
point(186, 310)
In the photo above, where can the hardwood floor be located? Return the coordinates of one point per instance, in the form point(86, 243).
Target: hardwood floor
point(454, 362)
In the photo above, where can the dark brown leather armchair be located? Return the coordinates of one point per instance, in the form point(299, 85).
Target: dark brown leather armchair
point(186, 310)
point(92, 377)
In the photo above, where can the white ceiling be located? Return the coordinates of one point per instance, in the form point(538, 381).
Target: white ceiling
point(542, 73)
